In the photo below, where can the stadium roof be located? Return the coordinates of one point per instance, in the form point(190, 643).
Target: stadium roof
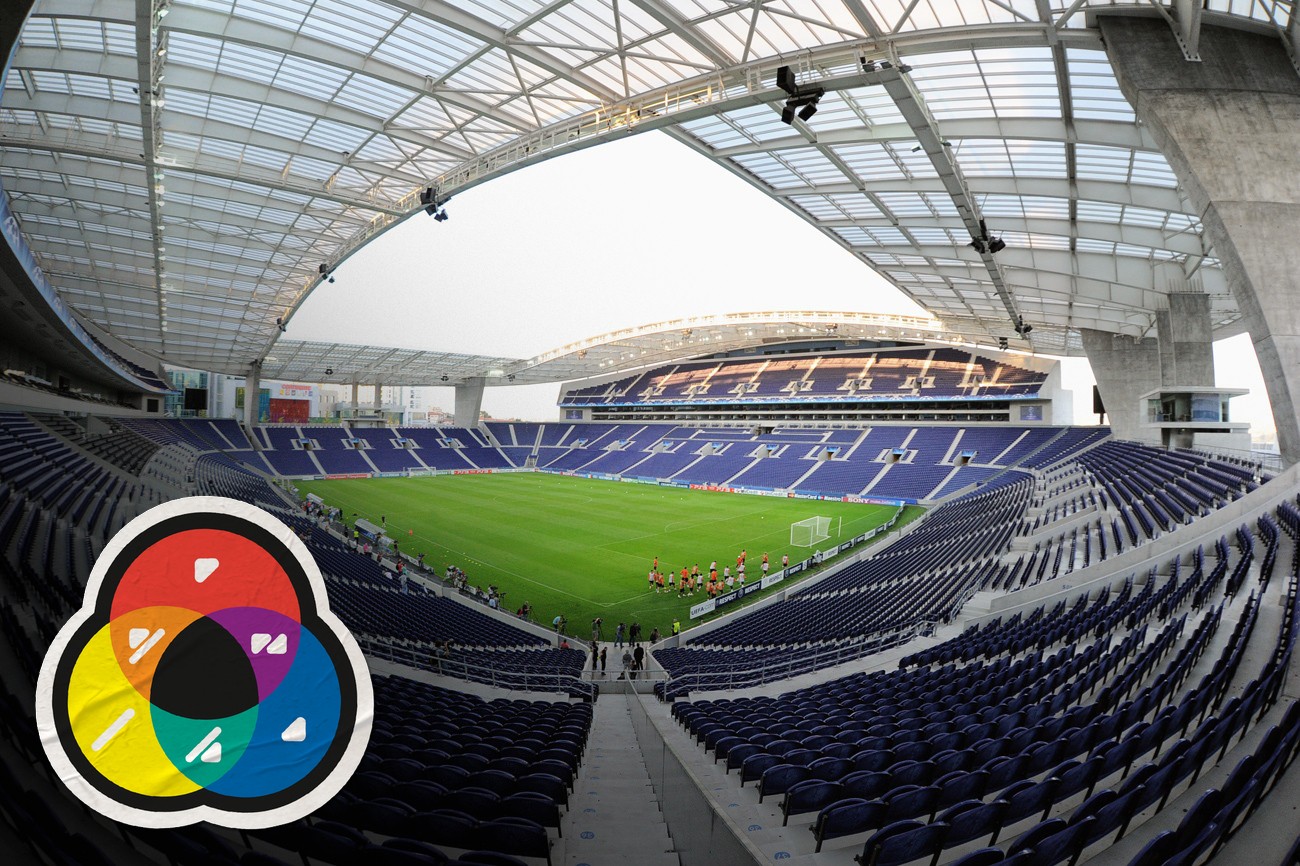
point(186, 171)
point(618, 351)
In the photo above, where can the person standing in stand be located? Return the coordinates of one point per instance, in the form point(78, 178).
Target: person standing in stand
point(638, 659)
point(602, 660)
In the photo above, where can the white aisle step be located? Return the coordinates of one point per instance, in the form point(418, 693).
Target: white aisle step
point(614, 818)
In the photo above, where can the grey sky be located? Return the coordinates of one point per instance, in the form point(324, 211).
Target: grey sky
point(626, 233)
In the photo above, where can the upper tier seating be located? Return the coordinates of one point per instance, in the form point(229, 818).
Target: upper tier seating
point(887, 374)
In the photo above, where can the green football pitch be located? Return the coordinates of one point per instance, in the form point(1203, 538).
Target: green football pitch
point(582, 547)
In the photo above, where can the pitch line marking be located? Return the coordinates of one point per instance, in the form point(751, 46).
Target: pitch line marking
point(146, 646)
point(112, 730)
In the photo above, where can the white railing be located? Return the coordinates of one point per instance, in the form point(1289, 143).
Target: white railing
point(744, 677)
point(429, 659)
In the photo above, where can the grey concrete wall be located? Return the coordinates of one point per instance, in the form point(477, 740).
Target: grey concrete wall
point(469, 402)
point(1126, 368)
point(1192, 337)
point(1229, 126)
point(701, 834)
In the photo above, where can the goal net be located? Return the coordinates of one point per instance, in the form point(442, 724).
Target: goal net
point(806, 533)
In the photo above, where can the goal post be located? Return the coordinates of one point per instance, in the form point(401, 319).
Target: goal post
point(810, 531)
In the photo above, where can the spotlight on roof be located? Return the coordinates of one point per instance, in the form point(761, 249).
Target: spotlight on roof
point(1003, 343)
point(785, 80)
point(997, 245)
point(510, 378)
point(803, 99)
point(324, 270)
point(978, 245)
point(445, 377)
point(429, 198)
point(279, 323)
point(329, 371)
point(441, 216)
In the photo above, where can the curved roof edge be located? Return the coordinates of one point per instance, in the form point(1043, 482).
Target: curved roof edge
point(620, 351)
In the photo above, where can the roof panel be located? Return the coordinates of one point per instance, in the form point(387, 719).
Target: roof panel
point(258, 184)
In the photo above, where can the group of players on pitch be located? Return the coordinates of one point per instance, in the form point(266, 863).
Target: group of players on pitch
point(690, 579)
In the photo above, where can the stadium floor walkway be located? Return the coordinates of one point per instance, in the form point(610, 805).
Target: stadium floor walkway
point(614, 817)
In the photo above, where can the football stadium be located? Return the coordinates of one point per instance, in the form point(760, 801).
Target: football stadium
point(785, 578)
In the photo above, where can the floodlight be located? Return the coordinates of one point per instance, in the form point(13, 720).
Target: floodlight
point(787, 114)
point(808, 111)
point(977, 244)
point(429, 198)
point(997, 245)
point(329, 371)
point(324, 270)
point(1003, 343)
point(445, 377)
point(785, 80)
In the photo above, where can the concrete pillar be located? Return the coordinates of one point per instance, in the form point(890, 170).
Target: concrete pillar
point(469, 401)
point(379, 396)
point(1186, 351)
point(1228, 126)
point(356, 387)
point(1192, 340)
point(1126, 368)
point(252, 394)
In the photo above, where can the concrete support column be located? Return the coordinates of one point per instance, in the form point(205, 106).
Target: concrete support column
point(469, 401)
point(1186, 341)
point(1228, 127)
point(379, 396)
point(1186, 351)
point(252, 395)
point(356, 388)
point(1126, 368)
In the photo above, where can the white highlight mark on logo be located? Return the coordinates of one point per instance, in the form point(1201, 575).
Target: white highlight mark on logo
point(203, 568)
point(296, 732)
point(111, 731)
point(146, 646)
point(203, 744)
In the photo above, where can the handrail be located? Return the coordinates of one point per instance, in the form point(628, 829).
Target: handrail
point(769, 672)
point(429, 659)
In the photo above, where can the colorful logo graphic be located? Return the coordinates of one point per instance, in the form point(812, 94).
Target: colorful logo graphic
point(204, 677)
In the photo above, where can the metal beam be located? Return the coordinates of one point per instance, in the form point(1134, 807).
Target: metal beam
point(1102, 133)
point(912, 106)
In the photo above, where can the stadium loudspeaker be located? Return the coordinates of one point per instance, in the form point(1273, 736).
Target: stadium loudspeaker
point(1098, 408)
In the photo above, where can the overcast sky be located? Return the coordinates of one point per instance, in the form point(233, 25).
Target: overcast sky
point(622, 234)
